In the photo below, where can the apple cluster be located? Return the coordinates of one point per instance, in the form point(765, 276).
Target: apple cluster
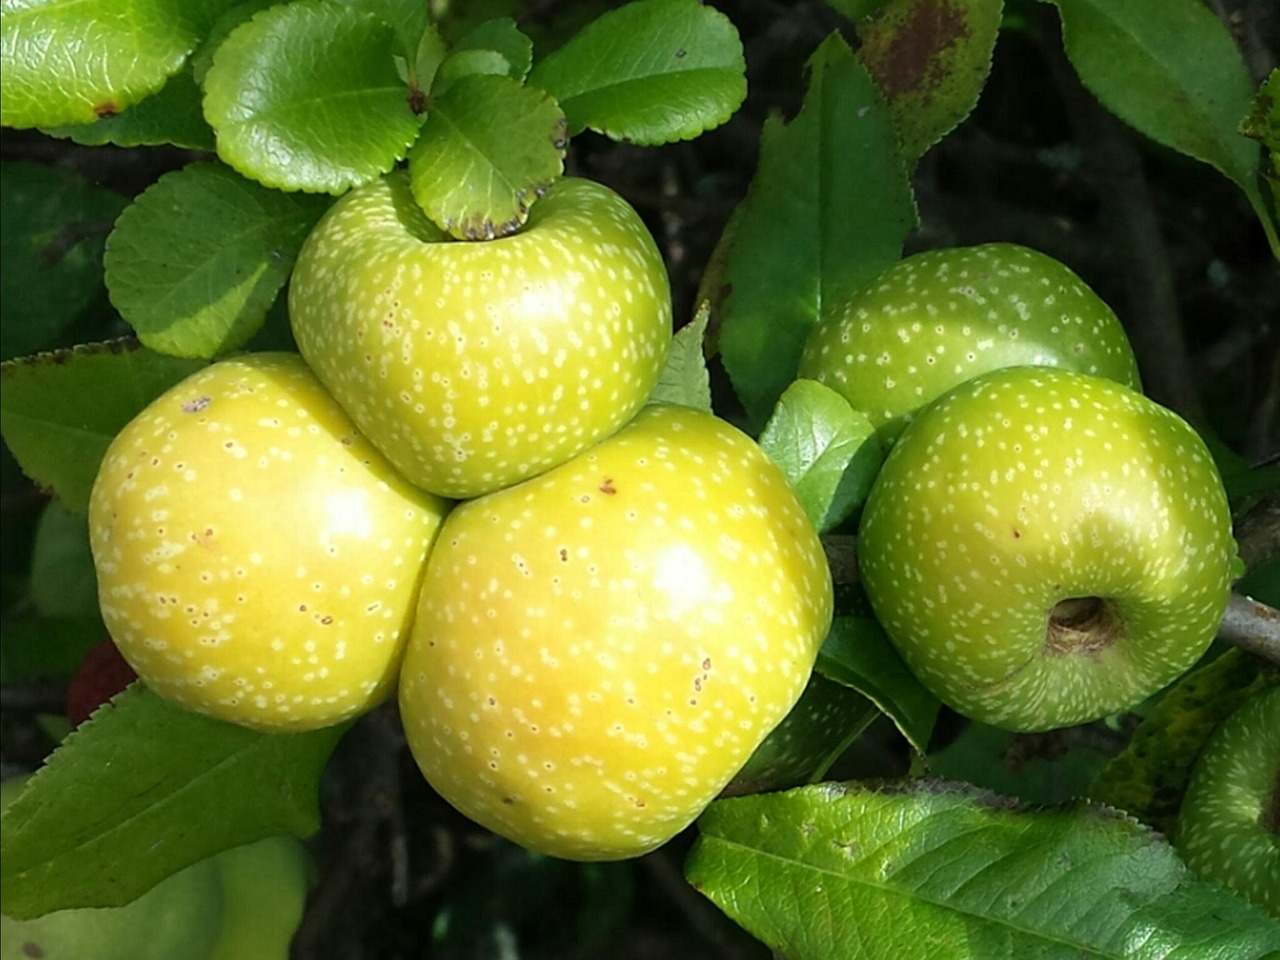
point(593, 608)
point(1044, 545)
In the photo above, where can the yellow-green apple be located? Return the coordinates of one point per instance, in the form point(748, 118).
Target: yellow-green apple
point(257, 559)
point(598, 650)
point(1045, 547)
point(476, 364)
point(1229, 826)
point(939, 318)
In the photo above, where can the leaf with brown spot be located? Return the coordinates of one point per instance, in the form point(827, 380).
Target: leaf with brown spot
point(931, 59)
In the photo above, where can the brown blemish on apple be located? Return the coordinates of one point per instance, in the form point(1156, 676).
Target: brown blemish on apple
point(196, 405)
point(608, 487)
point(106, 109)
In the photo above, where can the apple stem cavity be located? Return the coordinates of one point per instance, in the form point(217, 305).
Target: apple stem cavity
point(1081, 625)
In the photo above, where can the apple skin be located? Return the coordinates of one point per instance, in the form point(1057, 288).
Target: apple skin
point(598, 650)
point(258, 561)
point(474, 365)
point(1229, 826)
point(1031, 487)
point(939, 318)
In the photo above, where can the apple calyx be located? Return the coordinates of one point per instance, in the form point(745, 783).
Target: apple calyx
point(1082, 625)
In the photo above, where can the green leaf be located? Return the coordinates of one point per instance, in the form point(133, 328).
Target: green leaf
point(1263, 124)
point(937, 870)
point(930, 59)
point(649, 72)
point(502, 36)
point(685, 379)
point(858, 9)
point(305, 97)
point(61, 410)
point(77, 61)
point(52, 233)
point(47, 649)
point(828, 450)
point(489, 148)
point(1038, 768)
point(1149, 776)
point(1171, 70)
point(858, 654)
point(469, 63)
point(143, 789)
point(409, 19)
point(64, 584)
point(202, 59)
point(826, 719)
point(827, 212)
point(199, 257)
point(172, 116)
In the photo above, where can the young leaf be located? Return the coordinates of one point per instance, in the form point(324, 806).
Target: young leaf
point(489, 148)
point(930, 59)
point(685, 379)
point(932, 869)
point(198, 258)
point(827, 212)
point(305, 97)
point(54, 227)
point(143, 789)
point(502, 36)
point(828, 450)
point(172, 116)
point(1170, 69)
point(1150, 775)
point(61, 410)
point(469, 63)
point(649, 72)
point(77, 62)
point(857, 654)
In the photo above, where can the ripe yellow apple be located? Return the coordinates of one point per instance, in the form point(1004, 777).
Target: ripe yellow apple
point(599, 650)
point(258, 561)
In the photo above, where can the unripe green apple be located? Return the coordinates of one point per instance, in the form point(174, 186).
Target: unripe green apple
point(1229, 825)
point(474, 365)
point(598, 650)
point(1045, 548)
point(264, 894)
point(939, 318)
point(258, 561)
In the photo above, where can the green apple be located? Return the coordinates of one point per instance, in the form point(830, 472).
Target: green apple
point(474, 365)
point(939, 318)
point(1045, 547)
point(1229, 826)
point(598, 650)
point(264, 894)
point(258, 561)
